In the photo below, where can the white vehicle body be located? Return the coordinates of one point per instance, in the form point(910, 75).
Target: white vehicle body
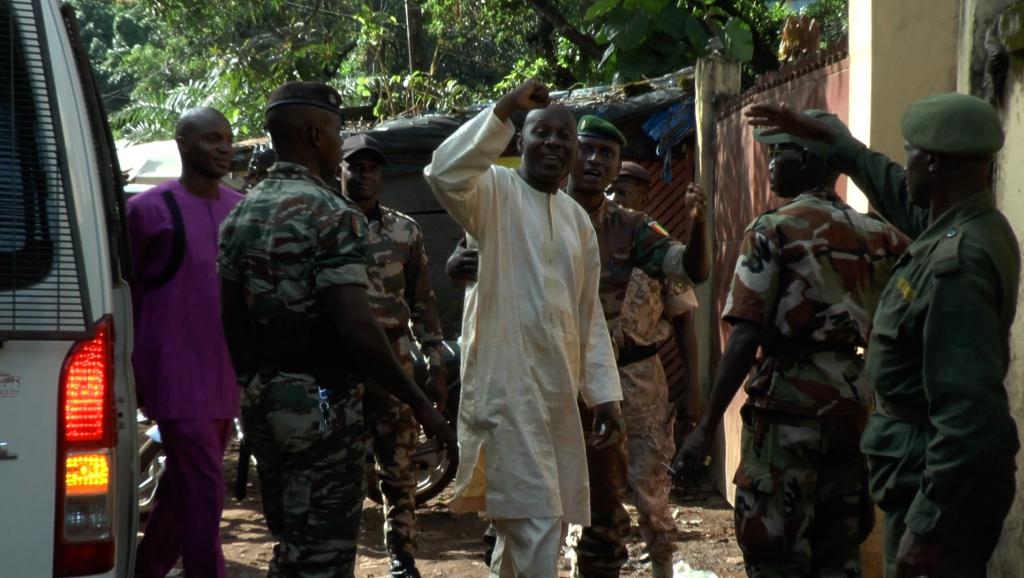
point(68, 453)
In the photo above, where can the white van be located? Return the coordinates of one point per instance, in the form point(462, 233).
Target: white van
point(67, 407)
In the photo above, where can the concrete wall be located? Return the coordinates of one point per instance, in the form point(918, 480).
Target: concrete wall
point(1009, 558)
point(977, 19)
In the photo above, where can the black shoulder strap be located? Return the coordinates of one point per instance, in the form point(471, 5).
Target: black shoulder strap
point(177, 245)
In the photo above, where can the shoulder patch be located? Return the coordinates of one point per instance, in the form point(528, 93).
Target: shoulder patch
point(654, 226)
point(358, 225)
point(946, 257)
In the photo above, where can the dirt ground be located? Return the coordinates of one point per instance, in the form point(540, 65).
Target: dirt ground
point(450, 544)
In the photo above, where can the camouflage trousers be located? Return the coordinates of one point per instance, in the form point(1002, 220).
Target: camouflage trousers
point(312, 481)
point(601, 548)
point(395, 435)
point(801, 495)
point(649, 445)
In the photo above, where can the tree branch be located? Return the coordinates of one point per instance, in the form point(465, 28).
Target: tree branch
point(585, 43)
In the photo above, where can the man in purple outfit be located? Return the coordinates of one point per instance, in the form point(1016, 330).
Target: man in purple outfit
point(183, 375)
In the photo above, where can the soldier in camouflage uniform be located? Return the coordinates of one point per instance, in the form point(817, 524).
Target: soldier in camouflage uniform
point(628, 240)
point(807, 282)
point(652, 310)
point(399, 292)
point(292, 262)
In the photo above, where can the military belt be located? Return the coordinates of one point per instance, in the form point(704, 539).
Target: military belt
point(917, 415)
point(797, 349)
point(635, 353)
point(292, 344)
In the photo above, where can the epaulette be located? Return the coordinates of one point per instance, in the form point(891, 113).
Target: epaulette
point(946, 255)
point(757, 220)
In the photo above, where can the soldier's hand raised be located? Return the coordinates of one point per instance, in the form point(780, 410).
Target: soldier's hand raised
point(778, 118)
point(527, 96)
point(696, 203)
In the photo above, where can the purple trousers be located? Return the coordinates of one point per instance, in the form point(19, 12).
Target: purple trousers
point(185, 522)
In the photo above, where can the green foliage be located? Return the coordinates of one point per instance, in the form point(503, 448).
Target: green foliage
point(414, 94)
point(834, 19)
point(154, 58)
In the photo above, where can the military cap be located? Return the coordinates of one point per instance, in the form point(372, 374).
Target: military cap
point(297, 93)
point(817, 148)
point(634, 171)
point(591, 125)
point(361, 142)
point(955, 124)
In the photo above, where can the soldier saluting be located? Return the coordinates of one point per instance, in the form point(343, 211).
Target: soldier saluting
point(806, 284)
point(293, 268)
point(941, 441)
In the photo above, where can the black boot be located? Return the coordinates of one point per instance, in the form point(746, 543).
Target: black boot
point(404, 567)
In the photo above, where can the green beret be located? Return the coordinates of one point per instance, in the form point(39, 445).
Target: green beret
point(817, 148)
point(596, 126)
point(298, 93)
point(955, 124)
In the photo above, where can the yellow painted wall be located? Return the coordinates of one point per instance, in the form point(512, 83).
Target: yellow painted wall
point(900, 51)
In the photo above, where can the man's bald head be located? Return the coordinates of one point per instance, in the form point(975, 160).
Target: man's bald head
point(204, 142)
point(548, 144)
point(555, 111)
point(197, 119)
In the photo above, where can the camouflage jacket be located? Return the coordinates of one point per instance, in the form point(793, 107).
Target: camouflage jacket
point(647, 309)
point(289, 239)
point(811, 273)
point(400, 288)
point(629, 239)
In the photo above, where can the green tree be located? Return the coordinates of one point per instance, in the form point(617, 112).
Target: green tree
point(154, 58)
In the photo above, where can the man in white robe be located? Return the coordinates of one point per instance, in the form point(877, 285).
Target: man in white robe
point(534, 335)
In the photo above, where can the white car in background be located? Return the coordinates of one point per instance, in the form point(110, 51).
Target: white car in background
point(67, 407)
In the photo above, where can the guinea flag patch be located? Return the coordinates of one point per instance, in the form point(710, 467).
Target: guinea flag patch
point(658, 228)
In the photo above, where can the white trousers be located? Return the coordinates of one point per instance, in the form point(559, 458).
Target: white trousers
point(527, 547)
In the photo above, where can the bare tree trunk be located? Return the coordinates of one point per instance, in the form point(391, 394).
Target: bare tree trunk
point(585, 43)
point(414, 34)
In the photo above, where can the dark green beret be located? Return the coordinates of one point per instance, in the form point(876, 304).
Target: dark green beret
point(955, 124)
point(297, 93)
point(591, 125)
point(814, 147)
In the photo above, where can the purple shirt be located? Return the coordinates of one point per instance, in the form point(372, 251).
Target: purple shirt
point(181, 362)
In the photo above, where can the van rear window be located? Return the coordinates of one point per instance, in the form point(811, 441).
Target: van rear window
point(40, 286)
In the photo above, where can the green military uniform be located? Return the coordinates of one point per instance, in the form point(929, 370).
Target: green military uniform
point(399, 291)
point(289, 239)
point(810, 273)
point(626, 240)
point(941, 442)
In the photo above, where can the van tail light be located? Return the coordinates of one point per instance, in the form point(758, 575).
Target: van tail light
point(86, 439)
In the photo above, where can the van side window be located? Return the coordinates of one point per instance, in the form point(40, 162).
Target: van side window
point(40, 279)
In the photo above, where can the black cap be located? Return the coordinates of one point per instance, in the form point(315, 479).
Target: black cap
point(361, 142)
point(305, 94)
